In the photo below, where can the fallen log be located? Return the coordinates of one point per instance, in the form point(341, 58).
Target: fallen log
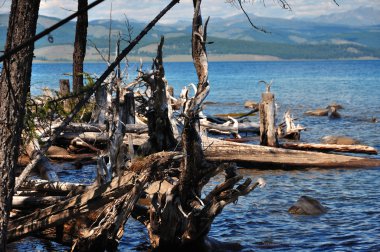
point(74, 157)
point(58, 214)
point(39, 160)
point(101, 137)
point(330, 147)
point(26, 202)
point(242, 127)
point(318, 112)
point(90, 137)
point(254, 156)
point(94, 198)
point(52, 187)
point(288, 129)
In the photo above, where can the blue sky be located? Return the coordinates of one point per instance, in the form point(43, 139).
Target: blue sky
point(144, 10)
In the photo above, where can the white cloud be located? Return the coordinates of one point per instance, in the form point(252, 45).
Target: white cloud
point(145, 10)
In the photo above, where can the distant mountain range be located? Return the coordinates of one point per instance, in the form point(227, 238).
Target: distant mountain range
point(348, 35)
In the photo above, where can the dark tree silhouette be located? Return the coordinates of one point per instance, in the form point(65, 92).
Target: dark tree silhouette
point(80, 47)
point(14, 87)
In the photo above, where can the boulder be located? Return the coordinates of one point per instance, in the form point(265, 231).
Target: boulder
point(318, 112)
point(306, 205)
point(55, 150)
point(339, 140)
point(251, 104)
point(335, 105)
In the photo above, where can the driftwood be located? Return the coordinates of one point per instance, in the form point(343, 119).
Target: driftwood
point(318, 112)
point(268, 134)
point(94, 87)
point(82, 127)
point(78, 142)
point(52, 187)
point(38, 160)
point(230, 129)
point(98, 136)
point(64, 90)
point(181, 216)
point(288, 129)
point(254, 156)
point(57, 214)
point(330, 147)
point(162, 129)
point(30, 202)
point(74, 157)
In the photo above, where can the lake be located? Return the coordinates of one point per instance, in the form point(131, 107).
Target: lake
point(260, 221)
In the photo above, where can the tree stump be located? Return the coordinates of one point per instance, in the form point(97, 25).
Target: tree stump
point(64, 90)
point(268, 136)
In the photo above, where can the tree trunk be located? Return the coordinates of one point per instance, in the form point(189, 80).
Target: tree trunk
point(161, 130)
point(14, 87)
point(180, 218)
point(80, 47)
point(268, 135)
point(64, 90)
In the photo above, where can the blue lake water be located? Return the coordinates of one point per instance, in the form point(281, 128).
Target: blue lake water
point(260, 221)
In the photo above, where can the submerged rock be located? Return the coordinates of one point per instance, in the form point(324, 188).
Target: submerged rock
point(251, 104)
point(339, 140)
point(335, 105)
point(210, 244)
point(318, 112)
point(306, 205)
point(56, 150)
point(334, 113)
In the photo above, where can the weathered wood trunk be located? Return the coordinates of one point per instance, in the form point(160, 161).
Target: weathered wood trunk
point(161, 135)
point(288, 129)
point(180, 217)
point(101, 103)
point(94, 198)
point(44, 166)
point(130, 110)
point(14, 87)
point(253, 156)
point(331, 147)
point(268, 135)
point(80, 47)
point(64, 90)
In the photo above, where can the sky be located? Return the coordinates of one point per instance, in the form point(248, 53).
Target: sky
point(144, 10)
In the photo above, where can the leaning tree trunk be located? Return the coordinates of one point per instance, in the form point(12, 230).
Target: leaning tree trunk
point(180, 216)
point(80, 47)
point(14, 87)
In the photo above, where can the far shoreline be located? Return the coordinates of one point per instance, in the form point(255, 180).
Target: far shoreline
point(214, 58)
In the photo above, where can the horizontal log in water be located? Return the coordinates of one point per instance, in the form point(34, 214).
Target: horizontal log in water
point(53, 187)
point(242, 127)
point(59, 213)
point(331, 147)
point(27, 202)
point(254, 156)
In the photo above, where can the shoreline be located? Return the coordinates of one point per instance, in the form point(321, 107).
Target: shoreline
point(215, 58)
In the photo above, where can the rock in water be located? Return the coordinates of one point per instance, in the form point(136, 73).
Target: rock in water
point(317, 112)
point(251, 104)
point(339, 140)
point(306, 205)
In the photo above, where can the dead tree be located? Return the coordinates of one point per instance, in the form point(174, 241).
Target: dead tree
point(89, 92)
point(180, 216)
point(161, 129)
point(268, 134)
point(80, 46)
point(14, 87)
